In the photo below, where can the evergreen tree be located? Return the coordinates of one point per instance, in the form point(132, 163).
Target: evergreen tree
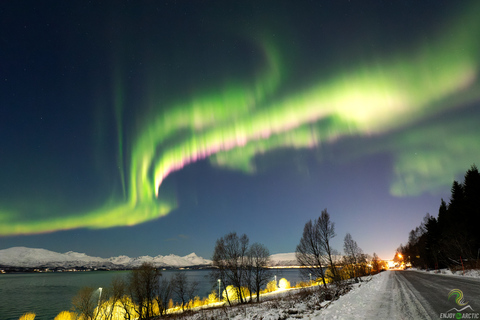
point(454, 234)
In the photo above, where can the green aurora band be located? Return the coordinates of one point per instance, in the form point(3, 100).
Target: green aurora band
point(241, 121)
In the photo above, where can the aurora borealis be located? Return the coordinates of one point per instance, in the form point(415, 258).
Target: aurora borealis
point(136, 94)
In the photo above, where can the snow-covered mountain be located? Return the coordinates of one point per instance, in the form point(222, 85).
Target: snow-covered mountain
point(283, 260)
point(31, 258)
point(161, 261)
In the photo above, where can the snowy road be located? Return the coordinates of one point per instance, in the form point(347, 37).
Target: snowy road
point(434, 290)
point(407, 295)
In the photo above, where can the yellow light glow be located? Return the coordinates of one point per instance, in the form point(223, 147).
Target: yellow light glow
point(283, 284)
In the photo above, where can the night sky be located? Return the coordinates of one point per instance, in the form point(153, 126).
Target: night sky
point(156, 127)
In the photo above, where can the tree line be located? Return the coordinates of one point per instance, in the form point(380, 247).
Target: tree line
point(242, 266)
point(143, 294)
point(319, 259)
point(451, 239)
point(240, 272)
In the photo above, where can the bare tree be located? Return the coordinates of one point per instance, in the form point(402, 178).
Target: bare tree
point(375, 263)
point(315, 252)
point(116, 296)
point(259, 258)
point(85, 302)
point(219, 273)
point(112, 297)
point(352, 254)
point(184, 290)
point(326, 230)
point(144, 286)
point(362, 265)
point(309, 253)
point(230, 261)
point(164, 295)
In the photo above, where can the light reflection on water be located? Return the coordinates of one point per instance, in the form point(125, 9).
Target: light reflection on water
point(47, 294)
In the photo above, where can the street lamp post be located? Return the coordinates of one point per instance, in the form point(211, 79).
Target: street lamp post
point(99, 295)
point(219, 281)
point(310, 277)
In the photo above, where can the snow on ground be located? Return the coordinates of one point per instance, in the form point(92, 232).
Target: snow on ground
point(359, 302)
point(292, 304)
point(381, 296)
point(472, 273)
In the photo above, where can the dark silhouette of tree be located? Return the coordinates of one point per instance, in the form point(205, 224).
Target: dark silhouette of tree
point(119, 288)
point(314, 252)
point(353, 254)
point(471, 188)
point(84, 303)
point(432, 239)
point(182, 288)
point(164, 294)
point(375, 263)
point(140, 292)
point(327, 232)
point(230, 259)
point(143, 288)
point(259, 258)
point(453, 237)
point(240, 265)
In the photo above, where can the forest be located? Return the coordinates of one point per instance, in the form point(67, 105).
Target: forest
point(452, 239)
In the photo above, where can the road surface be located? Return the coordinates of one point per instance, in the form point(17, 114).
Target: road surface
point(429, 294)
point(419, 295)
point(408, 295)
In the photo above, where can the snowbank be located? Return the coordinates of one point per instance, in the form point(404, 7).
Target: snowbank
point(290, 305)
point(358, 302)
point(472, 273)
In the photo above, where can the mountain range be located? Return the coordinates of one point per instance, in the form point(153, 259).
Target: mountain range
point(35, 258)
point(23, 257)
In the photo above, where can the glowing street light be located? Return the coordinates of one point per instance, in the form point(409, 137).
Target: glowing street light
point(400, 256)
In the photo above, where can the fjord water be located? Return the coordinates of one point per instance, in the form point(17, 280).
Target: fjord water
point(47, 294)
